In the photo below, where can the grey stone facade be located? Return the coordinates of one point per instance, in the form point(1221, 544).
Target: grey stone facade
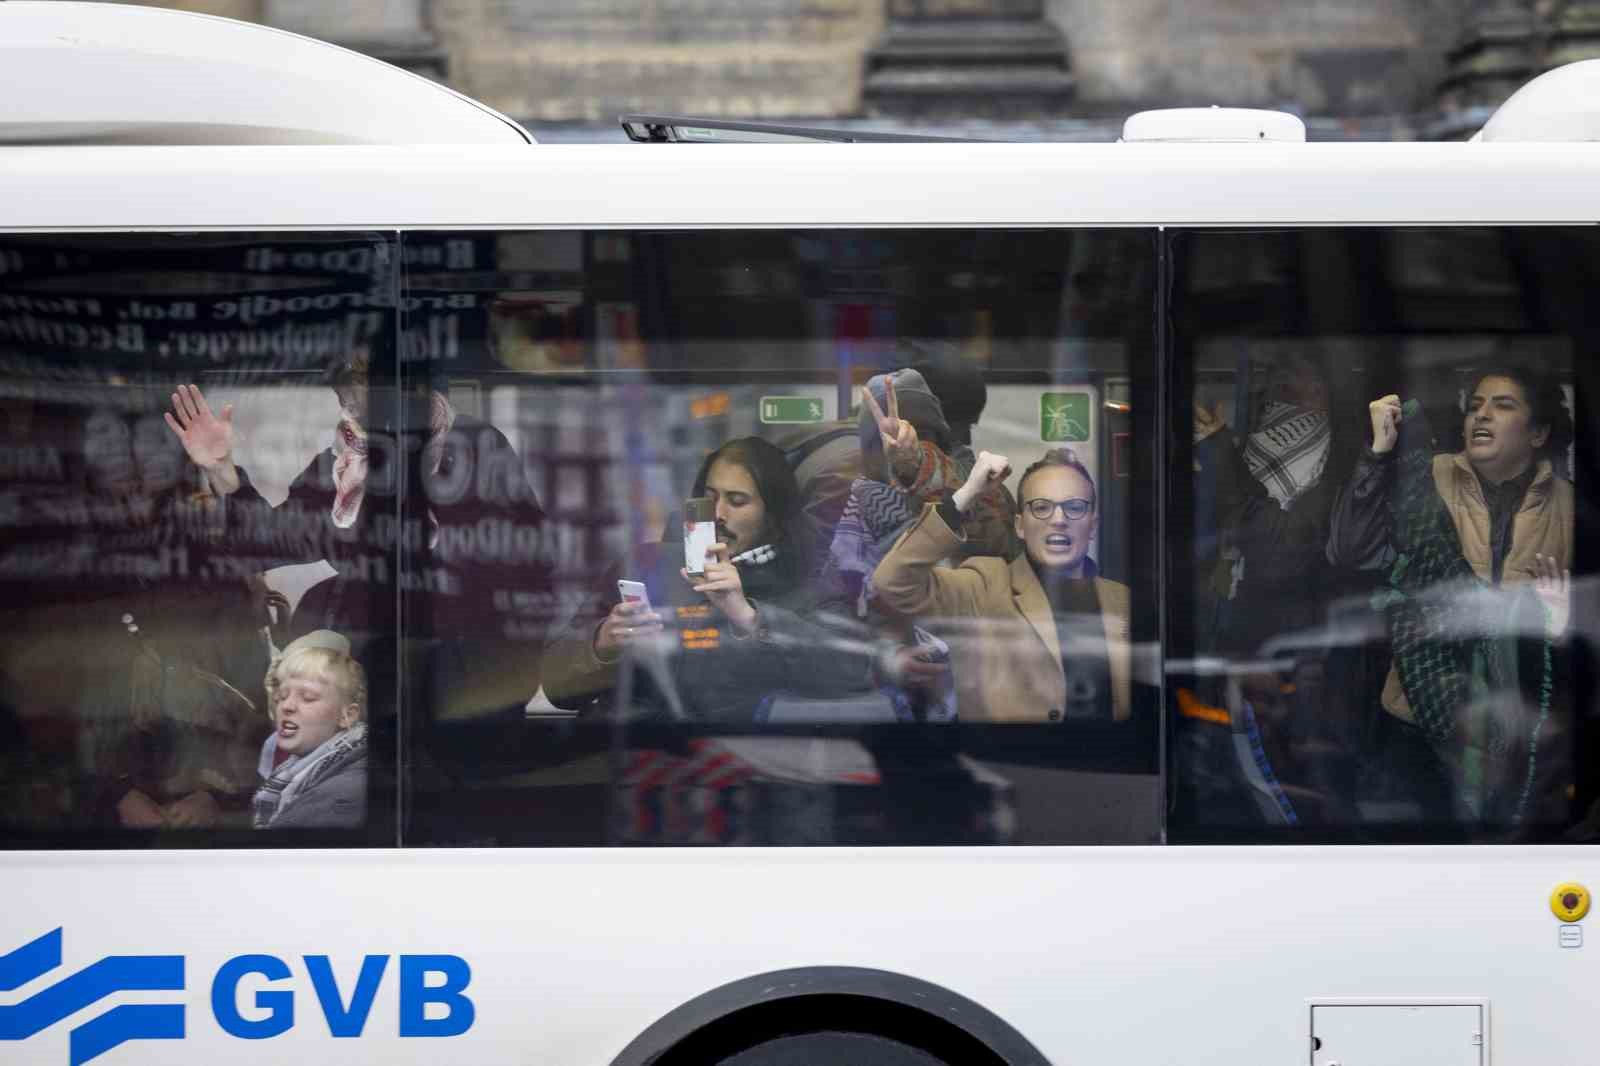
point(1348, 58)
point(990, 58)
point(589, 60)
point(1423, 67)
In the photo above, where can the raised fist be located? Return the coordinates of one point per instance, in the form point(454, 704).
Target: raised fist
point(1385, 414)
point(988, 470)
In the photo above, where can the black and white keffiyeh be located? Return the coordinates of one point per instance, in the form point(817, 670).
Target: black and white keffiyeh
point(1288, 452)
point(758, 556)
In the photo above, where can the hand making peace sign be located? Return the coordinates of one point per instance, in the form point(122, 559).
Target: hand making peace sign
point(900, 444)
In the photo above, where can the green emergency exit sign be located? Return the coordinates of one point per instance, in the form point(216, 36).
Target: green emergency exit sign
point(790, 410)
point(1064, 416)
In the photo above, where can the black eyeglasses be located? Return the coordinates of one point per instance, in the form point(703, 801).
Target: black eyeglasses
point(1074, 508)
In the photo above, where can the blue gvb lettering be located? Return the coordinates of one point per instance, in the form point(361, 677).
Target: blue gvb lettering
point(252, 996)
point(346, 1020)
point(278, 1005)
point(416, 993)
point(249, 1000)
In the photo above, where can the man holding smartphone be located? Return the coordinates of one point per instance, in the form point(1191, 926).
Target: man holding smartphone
point(748, 627)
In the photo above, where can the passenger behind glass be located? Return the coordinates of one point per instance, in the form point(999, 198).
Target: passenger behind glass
point(748, 630)
point(1475, 724)
point(313, 766)
point(1272, 505)
point(907, 442)
point(908, 460)
point(1045, 639)
point(1268, 588)
point(474, 540)
point(829, 459)
point(958, 386)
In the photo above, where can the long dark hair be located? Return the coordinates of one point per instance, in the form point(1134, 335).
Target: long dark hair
point(780, 494)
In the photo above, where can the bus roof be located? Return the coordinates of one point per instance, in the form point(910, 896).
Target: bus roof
point(798, 186)
point(86, 73)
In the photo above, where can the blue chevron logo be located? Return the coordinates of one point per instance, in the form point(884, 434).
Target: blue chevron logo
point(113, 974)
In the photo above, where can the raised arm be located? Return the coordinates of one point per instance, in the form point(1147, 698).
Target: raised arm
point(907, 580)
point(206, 437)
point(1360, 524)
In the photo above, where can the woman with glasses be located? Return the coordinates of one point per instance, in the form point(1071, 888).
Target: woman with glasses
point(1042, 638)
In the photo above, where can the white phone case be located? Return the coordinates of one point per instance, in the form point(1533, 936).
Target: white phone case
point(634, 592)
point(698, 537)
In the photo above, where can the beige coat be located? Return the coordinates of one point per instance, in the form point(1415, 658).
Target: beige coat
point(1008, 665)
point(1544, 526)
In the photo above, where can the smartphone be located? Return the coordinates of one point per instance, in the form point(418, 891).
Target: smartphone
point(634, 592)
point(699, 533)
point(930, 649)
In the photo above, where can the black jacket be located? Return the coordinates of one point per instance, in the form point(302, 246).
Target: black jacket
point(1286, 583)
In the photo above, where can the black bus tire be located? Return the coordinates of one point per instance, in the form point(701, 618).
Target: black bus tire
point(833, 1048)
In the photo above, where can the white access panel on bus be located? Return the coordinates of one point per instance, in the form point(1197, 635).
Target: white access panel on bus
point(1423, 1033)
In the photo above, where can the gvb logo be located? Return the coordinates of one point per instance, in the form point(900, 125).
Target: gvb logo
point(431, 991)
point(69, 995)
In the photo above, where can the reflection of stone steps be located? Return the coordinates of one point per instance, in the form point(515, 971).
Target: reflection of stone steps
point(960, 41)
point(926, 66)
point(1494, 57)
point(1503, 46)
point(1574, 34)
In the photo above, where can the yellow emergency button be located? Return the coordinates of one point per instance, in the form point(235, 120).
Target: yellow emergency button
point(1570, 902)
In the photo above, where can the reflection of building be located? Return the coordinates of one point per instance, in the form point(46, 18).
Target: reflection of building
point(1357, 68)
point(1499, 46)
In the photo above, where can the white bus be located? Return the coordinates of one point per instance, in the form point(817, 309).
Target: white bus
point(1234, 817)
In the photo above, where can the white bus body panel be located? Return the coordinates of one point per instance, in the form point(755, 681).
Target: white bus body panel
point(830, 185)
point(79, 73)
point(1192, 956)
point(1183, 955)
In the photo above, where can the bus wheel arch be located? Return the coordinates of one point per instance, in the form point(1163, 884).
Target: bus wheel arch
point(788, 1009)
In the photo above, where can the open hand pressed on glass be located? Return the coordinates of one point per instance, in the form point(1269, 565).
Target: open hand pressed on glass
point(1553, 585)
point(206, 437)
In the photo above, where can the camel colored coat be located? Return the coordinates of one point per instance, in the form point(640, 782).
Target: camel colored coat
point(1543, 526)
point(1008, 666)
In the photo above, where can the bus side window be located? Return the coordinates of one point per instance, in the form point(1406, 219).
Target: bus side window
point(1383, 521)
point(160, 433)
point(726, 382)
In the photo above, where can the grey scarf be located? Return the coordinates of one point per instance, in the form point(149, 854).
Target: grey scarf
point(301, 773)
